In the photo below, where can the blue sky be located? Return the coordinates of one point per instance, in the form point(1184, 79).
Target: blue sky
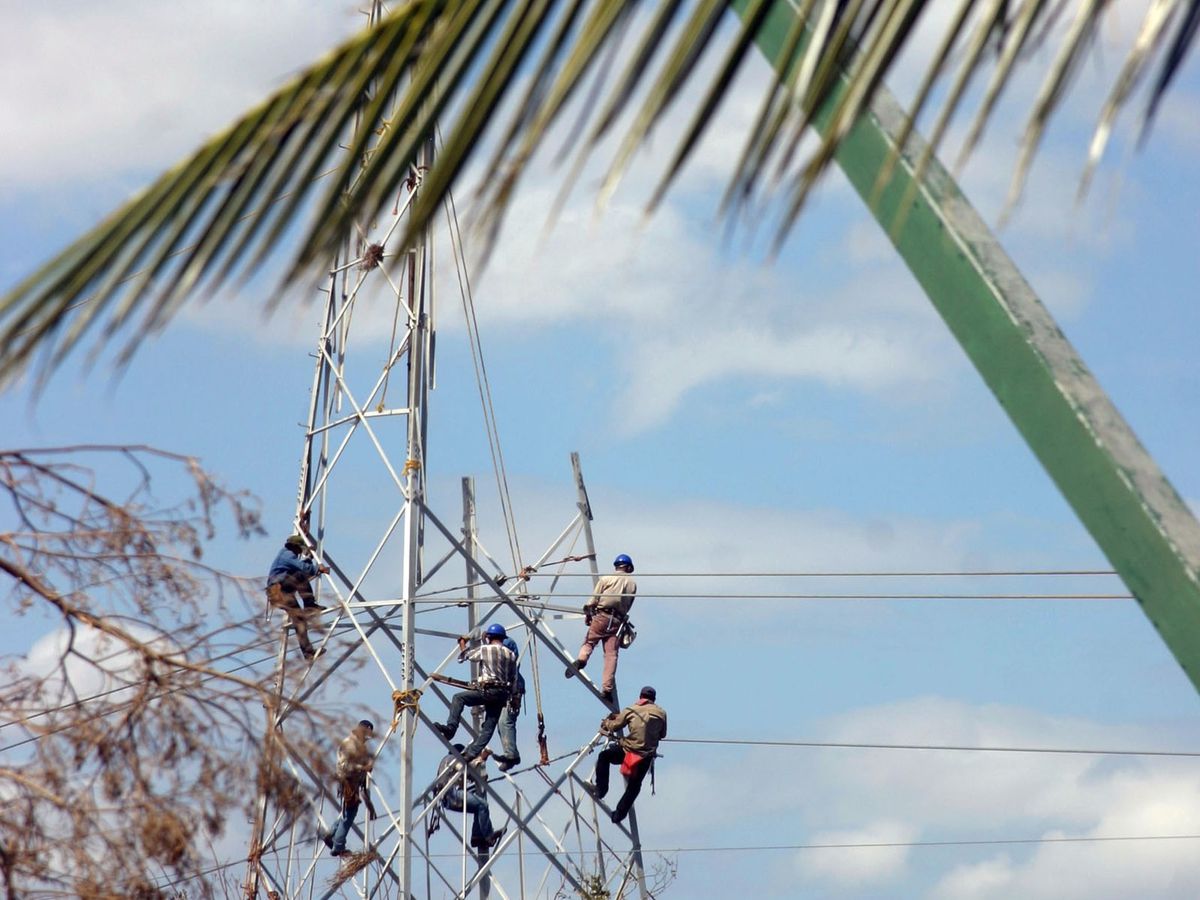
point(733, 415)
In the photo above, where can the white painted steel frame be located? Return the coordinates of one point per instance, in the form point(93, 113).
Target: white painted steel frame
point(284, 857)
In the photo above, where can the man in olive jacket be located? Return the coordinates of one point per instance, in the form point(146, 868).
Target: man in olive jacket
point(645, 724)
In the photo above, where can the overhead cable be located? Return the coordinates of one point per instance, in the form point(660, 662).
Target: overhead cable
point(834, 574)
point(865, 845)
point(120, 707)
point(861, 745)
point(758, 848)
point(491, 425)
point(740, 595)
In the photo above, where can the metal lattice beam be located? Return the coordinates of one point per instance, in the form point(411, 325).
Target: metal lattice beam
point(362, 499)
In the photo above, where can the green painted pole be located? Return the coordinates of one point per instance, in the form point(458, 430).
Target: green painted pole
point(1120, 495)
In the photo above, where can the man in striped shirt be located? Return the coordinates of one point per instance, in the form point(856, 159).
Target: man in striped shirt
point(491, 690)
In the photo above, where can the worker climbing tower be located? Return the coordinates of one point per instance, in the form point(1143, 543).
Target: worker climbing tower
point(405, 580)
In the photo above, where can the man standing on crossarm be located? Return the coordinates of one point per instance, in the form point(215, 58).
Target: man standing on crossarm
point(288, 578)
point(491, 690)
point(646, 724)
point(607, 614)
point(354, 763)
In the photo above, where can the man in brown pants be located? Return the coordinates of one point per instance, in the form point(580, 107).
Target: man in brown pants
point(607, 613)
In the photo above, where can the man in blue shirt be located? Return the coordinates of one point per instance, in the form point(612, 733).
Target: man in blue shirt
point(289, 576)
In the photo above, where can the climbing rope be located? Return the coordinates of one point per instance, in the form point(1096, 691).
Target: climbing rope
point(481, 379)
point(405, 700)
point(543, 746)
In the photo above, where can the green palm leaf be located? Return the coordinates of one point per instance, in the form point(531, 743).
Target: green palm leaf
point(335, 144)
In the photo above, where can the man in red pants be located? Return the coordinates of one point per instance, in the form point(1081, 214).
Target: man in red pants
point(607, 614)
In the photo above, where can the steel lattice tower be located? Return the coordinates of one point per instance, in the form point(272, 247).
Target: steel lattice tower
point(362, 501)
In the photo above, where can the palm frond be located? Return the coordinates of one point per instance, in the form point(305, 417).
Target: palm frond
point(1185, 37)
point(336, 143)
point(1158, 17)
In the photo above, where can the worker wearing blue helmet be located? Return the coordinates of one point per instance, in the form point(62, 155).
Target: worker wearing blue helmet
point(507, 729)
point(607, 613)
point(492, 689)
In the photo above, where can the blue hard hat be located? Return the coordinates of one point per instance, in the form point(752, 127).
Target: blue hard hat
point(623, 560)
point(496, 630)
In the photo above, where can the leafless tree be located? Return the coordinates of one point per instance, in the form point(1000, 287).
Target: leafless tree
point(133, 735)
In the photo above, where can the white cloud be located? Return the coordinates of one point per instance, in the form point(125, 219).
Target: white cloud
point(976, 879)
point(1099, 870)
point(668, 296)
point(707, 536)
point(902, 796)
point(84, 663)
point(859, 867)
point(950, 795)
point(841, 356)
point(92, 89)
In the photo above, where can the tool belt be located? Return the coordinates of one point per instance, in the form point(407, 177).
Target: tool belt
point(492, 687)
point(634, 758)
point(278, 597)
point(623, 626)
point(631, 761)
point(616, 618)
point(353, 788)
point(628, 635)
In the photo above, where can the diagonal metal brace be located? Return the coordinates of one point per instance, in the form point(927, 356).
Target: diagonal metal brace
point(1114, 486)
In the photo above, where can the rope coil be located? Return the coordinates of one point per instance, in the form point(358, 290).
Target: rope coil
point(405, 700)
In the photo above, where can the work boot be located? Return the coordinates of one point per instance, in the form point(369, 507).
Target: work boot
point(327, 839)
point(507, 762)
point(617, 817)
point(444, 730)
point(310, 653)
point(494, 838)
point(590, 790)
point(575, 666)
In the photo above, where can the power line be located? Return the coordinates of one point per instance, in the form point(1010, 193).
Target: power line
point(1028, 573)
point(863, 845)
point(132, 685)
point(183, 879)
point(112, 710)
point(866, 845)
point(870, 845)
point(847, 745)
point(829, 596)
point(834, 574)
